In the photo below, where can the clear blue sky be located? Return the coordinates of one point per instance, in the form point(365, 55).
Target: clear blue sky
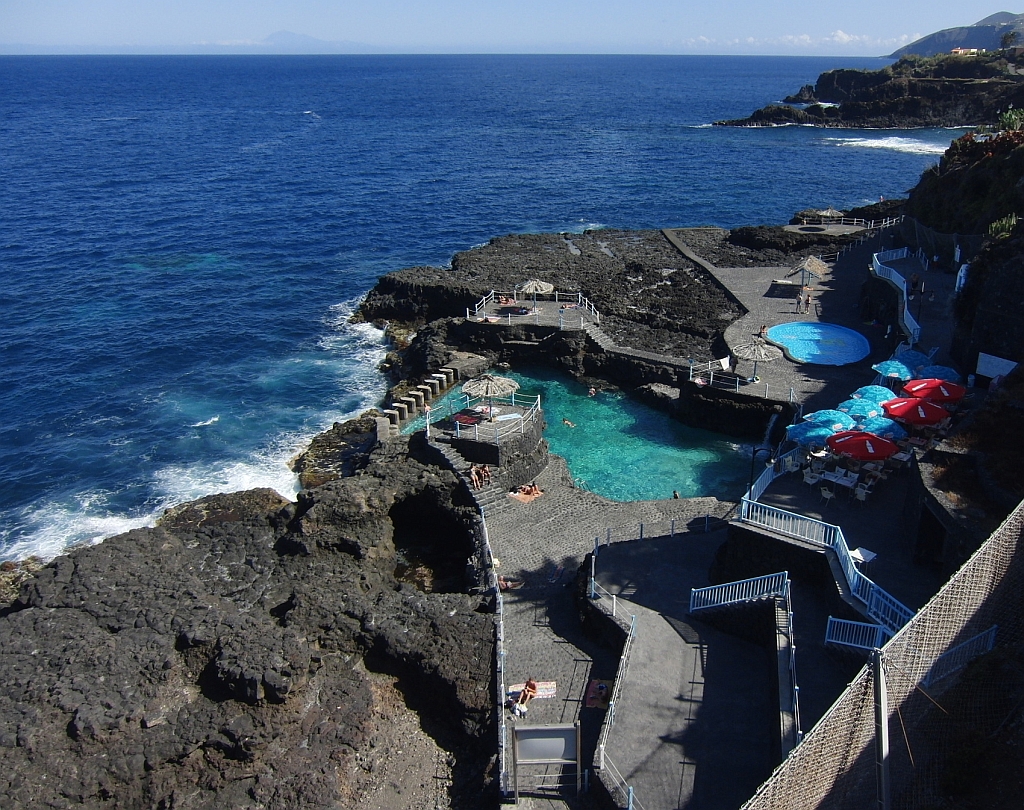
point(797, 27)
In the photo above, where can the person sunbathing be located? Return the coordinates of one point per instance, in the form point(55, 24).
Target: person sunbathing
point(475, 478)
point(509, 584)
point(485, 474)
point(528, 693)
point(530, 489)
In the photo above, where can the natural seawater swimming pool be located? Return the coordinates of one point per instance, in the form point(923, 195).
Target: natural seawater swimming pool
point(825, 344)
point(626, 451)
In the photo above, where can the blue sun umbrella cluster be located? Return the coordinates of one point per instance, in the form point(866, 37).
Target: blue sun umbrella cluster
point(860, 409)
point(894, 368)
point(837, 420)
point(875, 393)
point(939, 373)
point(808, 433)
point(885, 427)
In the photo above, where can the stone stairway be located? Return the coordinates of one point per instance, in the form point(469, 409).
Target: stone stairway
point(493, 497)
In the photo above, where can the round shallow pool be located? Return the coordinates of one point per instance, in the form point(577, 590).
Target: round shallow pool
point(823, 343)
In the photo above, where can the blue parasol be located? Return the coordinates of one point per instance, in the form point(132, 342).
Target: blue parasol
point(860, 409)
point(807, 433)
point(837, 420)
point(884, 427)
point(875, 393)
point(939, 373)
point(894, 368)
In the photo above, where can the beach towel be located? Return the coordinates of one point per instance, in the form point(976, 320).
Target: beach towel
point(597, 698)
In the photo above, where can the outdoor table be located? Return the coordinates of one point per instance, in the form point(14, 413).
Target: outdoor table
point(862, 556)
point(839, 478)
point(904, 456)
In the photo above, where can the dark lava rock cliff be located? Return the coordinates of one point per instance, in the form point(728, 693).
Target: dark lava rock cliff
point(223, 658)
point(944, 91)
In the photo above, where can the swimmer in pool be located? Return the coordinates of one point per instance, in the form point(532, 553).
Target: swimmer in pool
point(567, 423)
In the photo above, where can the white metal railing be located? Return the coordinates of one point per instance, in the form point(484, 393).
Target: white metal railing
point(878, 263)
point(492, 432)
point(860, 635)
point(865, 223)
point(500, 662)
point(575, 300)
point(780, 467)
point(885, 608)
point(873, 225)
point(794, 687)
point(745, 590)
point(624, 794)
point(956, 658)
point(878, 604)
point(717, 377)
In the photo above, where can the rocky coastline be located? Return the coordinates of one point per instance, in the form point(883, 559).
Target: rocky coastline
point(338, 651)
point(944, 91)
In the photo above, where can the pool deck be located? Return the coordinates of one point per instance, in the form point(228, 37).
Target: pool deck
point(689, 730)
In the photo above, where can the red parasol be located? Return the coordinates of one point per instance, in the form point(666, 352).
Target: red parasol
point(915, 411)
point(862, 446)
point(934, 390)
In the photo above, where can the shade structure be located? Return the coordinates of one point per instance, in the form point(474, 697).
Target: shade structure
point(885, 427)
point(915, 411)
point(934, 390)
point(759, 351)
point(860, 409)
point(837, 420)
point(490, 386)
point(534, 286)
point(940, 373)
point(874, 393)
point(862, 446)
point(895, 369)
point(808, 433)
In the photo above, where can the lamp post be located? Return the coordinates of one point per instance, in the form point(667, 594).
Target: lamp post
point(753, 460)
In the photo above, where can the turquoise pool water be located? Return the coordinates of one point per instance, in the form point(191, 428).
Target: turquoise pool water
point(622, 449)
point(825, 344)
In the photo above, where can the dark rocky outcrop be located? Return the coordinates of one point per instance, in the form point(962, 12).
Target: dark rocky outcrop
point(219, 659)
point(645, 289)
point(946, 91)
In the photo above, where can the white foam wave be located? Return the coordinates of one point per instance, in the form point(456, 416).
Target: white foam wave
point(50, 528)
point(210, 421)
point(913, 146)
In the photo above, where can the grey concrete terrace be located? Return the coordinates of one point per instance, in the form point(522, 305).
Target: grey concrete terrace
point(691, 731)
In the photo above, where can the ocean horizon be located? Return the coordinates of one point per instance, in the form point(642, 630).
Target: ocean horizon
point(186, 237)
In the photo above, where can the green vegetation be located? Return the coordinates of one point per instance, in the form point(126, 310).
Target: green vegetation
point(1003, 227)
point(1011, 120)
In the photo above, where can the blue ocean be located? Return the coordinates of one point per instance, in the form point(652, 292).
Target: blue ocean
point(183, 239)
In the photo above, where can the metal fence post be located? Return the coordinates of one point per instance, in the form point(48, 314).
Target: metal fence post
point(672, 528)
point(641, 531)
point(629, 797)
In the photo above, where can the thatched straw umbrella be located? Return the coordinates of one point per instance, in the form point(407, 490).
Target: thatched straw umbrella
point(489, 386)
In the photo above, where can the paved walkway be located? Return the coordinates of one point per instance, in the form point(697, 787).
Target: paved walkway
point(690, 732)
point(544, 543)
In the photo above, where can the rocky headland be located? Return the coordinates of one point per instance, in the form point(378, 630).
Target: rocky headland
point(941, 91)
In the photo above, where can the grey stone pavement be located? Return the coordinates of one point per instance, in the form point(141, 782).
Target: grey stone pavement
point(691, 730)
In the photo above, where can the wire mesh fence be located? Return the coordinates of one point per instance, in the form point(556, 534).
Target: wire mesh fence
point(937, 733)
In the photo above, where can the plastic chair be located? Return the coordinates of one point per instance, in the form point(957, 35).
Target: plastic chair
point(861, 493)
point(827, 495)
point(811, 478)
